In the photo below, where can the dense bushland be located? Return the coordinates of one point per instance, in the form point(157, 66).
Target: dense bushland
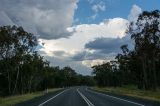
point(23, 70)
point(140, 66)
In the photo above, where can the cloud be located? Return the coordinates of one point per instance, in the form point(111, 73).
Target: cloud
point(89, 59)
point(84, 33)
point(99, 7)
point(62, 59)
point(90, 63)
point(87, 55)
point(134, 13)
point(109, 45)
point(96, 8)
point(102, 49)
point(5, 20)
point(66, 61)
point(93, 16)
point(90, 44)
point(72, 51)
point(47, 18)
point(79, 46)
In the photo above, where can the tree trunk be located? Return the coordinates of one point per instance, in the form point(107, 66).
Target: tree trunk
point(30, 84)
point(22, 84)
point(9, 82)
point(15, 86)
point(145, 81)
point(154, 75)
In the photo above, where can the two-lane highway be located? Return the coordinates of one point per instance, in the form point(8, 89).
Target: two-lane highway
point(69, 97)
point(82, 96)
point(99, 99)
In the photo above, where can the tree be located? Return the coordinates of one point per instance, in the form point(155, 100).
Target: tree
point(23, 70)
point(107, 74)
point(146, 35)
point(15, 43)
point(141, 65)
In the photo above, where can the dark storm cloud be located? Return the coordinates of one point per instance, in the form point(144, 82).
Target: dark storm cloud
point(109, 45)
point(47, 18)
point(86, 55)
point(103, 48)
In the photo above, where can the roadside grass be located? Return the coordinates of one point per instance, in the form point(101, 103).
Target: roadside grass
point(132, 91)
point(12, 100)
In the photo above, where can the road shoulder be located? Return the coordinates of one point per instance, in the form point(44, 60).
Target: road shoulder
point(39, 99)
point(130, 98)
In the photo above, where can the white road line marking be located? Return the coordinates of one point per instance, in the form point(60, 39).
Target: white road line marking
point(85, 98)
point(52, 98)
point(116, 98)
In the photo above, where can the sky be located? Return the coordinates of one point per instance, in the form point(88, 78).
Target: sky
point(76, 33)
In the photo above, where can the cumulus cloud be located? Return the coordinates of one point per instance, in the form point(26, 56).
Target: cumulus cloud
point(62, 59)
point(82, 34)
point(87, 55)
point(90, 63)
point(102, 49)
point(47, 18)
point(89, 44)
point(109, 45)
point(66, 61)
point(89, 59)
point(70, 51)
point(134, 13)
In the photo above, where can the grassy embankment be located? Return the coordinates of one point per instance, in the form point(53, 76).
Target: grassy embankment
point(132, 91)
point(12, 100)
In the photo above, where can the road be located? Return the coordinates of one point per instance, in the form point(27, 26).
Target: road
point(82, 96)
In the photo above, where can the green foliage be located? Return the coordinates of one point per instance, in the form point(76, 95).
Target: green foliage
point(107, 74)
point(23, 70)
point(141, 65)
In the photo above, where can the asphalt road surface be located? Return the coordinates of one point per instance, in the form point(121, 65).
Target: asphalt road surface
point(82, 96)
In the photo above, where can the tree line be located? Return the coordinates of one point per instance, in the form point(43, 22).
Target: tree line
point(23, 70)
point(139, 66)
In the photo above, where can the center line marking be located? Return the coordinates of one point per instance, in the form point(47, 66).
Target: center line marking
point(85, 98)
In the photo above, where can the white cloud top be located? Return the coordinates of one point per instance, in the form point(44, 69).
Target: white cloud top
point(111, 28)
point(134, 13)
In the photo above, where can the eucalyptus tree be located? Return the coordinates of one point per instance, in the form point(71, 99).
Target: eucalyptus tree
point(15, 43)
point(146, 34)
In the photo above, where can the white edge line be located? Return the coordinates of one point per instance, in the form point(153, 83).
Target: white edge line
point(85, 98)
point(117, 98)
point(51, 98)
